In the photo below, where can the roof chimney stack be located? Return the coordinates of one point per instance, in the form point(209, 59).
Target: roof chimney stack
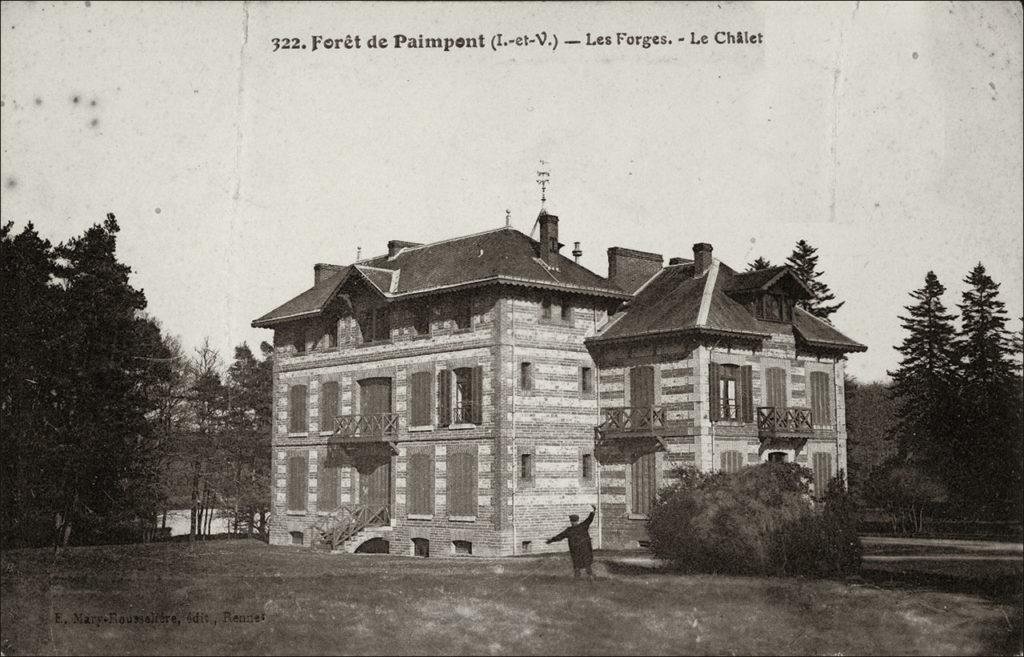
point(629, 269)
point(322, 270)
point(394, 246)
point(549, 238)
point(701, 258)
point(576, 252)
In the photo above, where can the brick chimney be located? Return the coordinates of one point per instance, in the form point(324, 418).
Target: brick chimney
point(701, 258)
point(630, 269)
point(394, 246)
point(548, 238)
point(322, 270)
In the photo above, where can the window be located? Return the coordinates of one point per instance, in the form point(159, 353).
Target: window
point(420, 547)
point(296, 538)
point(463, 313)
point(526, 376)
point(460, 396)
point(330, 337)
point(299, 339)
point(462, 548)
point(526, 468)
point(822, 473)
point(525, 547)
point(297, 483)
point(731, 461)
point(587, 467)
point(327, 485)
point(419, 399)
point(462, 481)
point(328, 404)
point(642, 486)
point(375, 325)
point(421, 319)
point(587, 380)
point(821, 399)
point(775, 387)
point(297, 409)
point(775, 308)
point(731, 396)
point(776, 457)
point(545, 308)
point(566, 310)
point(419, 484)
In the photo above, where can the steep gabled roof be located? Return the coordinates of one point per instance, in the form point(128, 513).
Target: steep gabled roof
point(504, 256)
point(675, 302)
point(763, 279)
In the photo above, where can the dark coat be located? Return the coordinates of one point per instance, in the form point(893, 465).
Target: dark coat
point(580, 549)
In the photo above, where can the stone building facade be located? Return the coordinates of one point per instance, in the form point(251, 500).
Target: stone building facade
point(468, 395)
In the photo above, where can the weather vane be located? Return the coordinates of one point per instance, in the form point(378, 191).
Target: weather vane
point(542, 180)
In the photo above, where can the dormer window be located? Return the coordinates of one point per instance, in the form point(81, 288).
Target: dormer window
point(376, 324)
point(774, 307)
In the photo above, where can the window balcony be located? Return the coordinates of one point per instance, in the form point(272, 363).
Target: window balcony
point(631, 421)
point(463, 412)
point(783, 422)
point(377, 427)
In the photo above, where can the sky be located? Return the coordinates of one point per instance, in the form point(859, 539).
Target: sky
point(889, 136)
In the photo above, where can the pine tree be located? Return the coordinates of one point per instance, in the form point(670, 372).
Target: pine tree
point(759, 264)
point(805, 262)
point(924, 384)
point(991, 399)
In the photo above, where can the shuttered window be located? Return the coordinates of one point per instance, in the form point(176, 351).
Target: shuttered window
point(419, 399)
point(327, 485)
point(297, 409)
point(775, 387)
point(526, 468)
point(328, 404)
point(642, 484)
point(731, 393)
point(731, 461)
point(297, 474)
point(821, 399)
point(586, 380)
point(444, 398)
point(587, 467)
point(822, 473)
point(420, 481)
point(462, 481)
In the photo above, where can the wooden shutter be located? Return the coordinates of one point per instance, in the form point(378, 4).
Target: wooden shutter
point(298, 409)
point(328, 404)
point(375, 396)
point(462, 484)
point(775, 387)
point(477, 407)
point(731, 461)
point(641, 386)
point(714, 400)
point(821, 406)
point(297, 474)
point(420, 482)
point(327, 485)
point(642, 483)
point(420, 399)
point(444, 397)
point(822, 472)
point(746, 394)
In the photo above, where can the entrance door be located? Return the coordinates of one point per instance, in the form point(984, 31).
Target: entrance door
point(375, 482)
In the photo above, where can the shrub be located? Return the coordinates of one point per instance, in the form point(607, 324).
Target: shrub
point(759, 520)
point(906, 493)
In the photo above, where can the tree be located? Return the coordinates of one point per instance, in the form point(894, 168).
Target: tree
point(924, 385)
point(990, 395)
point(759, 264)
point(804, 262)
point(870, 418)
point(906, 493)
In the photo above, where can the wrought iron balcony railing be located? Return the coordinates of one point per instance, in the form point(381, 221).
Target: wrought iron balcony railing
point(782, 422)
point(632, 419)
point(378, 426)
point(464, 412)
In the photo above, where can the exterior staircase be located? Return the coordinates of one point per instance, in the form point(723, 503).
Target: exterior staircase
point(349, 526)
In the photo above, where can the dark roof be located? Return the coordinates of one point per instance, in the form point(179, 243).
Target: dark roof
point(310, 302)
point(762, 279)
point(504, 255)
point(673, 301)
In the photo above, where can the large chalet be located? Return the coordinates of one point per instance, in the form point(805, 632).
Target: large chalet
point(464, 396)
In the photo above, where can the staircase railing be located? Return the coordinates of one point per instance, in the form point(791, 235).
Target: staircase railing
point(347, 520)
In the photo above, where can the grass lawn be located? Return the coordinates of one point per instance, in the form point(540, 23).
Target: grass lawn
point(311, 602)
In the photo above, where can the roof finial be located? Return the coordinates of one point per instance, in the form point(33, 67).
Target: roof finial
point(508, 218)
point(359, 253)
point(542, 180)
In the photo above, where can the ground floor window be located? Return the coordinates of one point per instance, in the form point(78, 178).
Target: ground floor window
point(462, 548)
point(421, 547)
point(776, 457)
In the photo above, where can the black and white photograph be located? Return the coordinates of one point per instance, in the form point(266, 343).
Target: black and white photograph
point(511, 328)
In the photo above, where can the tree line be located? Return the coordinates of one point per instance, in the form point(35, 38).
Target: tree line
point(106, 422)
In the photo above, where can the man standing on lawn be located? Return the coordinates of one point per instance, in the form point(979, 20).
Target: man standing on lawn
point(580, 549)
